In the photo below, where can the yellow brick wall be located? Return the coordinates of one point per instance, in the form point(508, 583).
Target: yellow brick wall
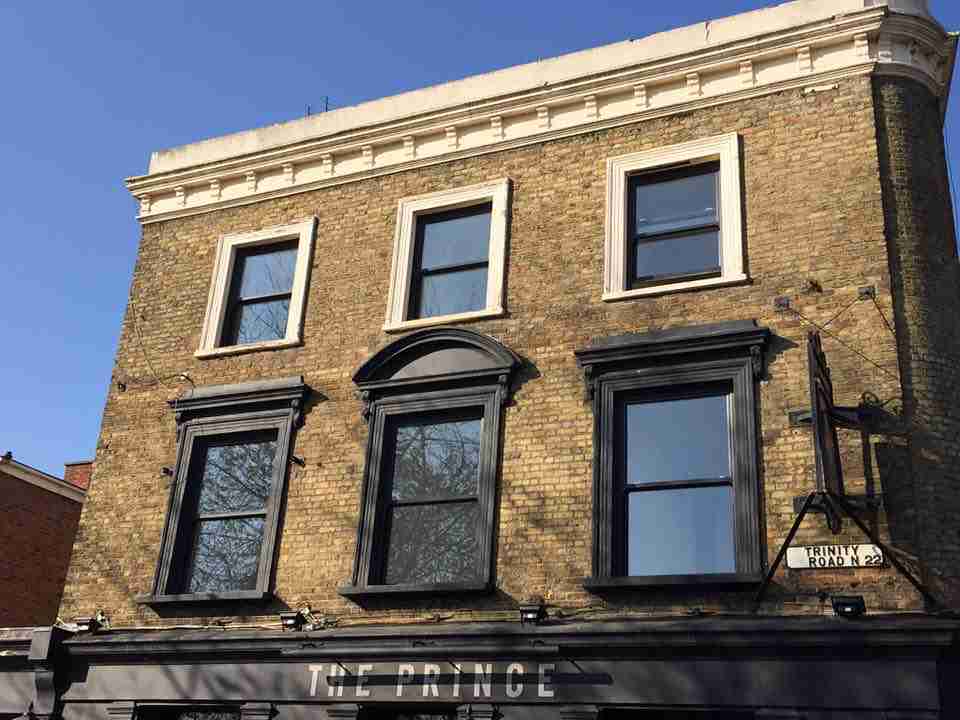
point(813, 211)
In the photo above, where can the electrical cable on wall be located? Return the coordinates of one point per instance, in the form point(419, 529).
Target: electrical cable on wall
point(844, 343)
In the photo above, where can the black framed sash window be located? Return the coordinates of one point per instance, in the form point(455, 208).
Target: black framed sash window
point(229, 490)
point(673, 225)
point(676, 471)
point(223, 516)
point(434, 402)
point(431, 504)
point(675, 474)
point(261, 287)
point(451, 261)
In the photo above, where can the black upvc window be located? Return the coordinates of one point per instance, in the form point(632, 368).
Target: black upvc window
point(228, 493)
point(451, 262)
point(674, 472)
point(434, 402)
point(224, 509)
point(260, 290)
point(432, 522)
point(674, 225)
point(676, 489)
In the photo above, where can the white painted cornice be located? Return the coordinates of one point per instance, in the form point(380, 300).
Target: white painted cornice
point(796, 45)
point(42, 480)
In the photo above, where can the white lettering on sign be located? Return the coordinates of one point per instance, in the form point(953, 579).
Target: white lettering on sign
point(404, 675)
point(482, 683)
point(362, 670)
point(826, 557)
point(514, 689)
point(430, 680)
point(542, 689)
point(315, 671)
point(430, 685)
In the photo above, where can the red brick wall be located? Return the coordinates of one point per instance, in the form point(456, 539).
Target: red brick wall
point(37, 528)
point(78, 473)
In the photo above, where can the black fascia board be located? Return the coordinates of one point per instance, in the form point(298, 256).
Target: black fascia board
point(800, 634)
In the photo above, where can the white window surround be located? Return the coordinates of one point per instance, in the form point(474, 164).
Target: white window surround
point(726, 149)
point(497, 193)
point(303, 231)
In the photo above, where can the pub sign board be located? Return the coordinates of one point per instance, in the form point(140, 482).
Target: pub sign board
point(825, 442)
point(833, 557)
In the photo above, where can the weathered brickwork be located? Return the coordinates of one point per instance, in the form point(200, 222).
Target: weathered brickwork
point(814, 211)
point(923, 261)
point(37, 529)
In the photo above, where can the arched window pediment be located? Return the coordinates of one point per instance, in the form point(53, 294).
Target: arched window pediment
point(436, 355)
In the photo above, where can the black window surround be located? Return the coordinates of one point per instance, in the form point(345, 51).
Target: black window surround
point(225, 414)
point(430, 374)
point(666, 364)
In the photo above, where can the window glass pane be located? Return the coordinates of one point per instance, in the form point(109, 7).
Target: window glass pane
point(454, 238)
point(436, 459)
point(266, 272)
point(237, 477)
point(261, 321)
point(433, 543)
point(697, 252)
point(225, 555)
point(453, 292)
point(675, 203)
point(680, 532)
point(677, 440)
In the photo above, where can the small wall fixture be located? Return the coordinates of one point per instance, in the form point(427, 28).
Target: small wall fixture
point(297, 620)
point(533, 612)
point(848, 606)
point(92, 624)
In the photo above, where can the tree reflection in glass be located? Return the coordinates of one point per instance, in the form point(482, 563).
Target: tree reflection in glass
point(433, 511)
point(260, 293)
point(231, 497)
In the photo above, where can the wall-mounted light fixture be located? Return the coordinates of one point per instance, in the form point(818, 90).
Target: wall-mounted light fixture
point(533, 611)
point(848, 606)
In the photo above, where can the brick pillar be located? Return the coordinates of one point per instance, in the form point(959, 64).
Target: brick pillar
point(925, 279)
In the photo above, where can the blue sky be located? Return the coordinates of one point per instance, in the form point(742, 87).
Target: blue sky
point(90, 89)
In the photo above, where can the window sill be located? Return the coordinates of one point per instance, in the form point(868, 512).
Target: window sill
point(444, 320)
point(675, 287)
point(208, 598)
point(732, 580)
point(364, 592)
point(251, 347)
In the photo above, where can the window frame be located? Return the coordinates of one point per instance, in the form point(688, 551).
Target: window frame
point(221, 291)
point(389, 394)
point(618, 246)
point(622, 490)
point(373, 548)
point(418, 273)
point(212, 412)
point(665, 362)
point(410, 209)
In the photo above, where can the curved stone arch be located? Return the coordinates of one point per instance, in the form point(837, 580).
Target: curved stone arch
point(438, 353)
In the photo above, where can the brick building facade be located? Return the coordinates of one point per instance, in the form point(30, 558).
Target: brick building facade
point(39, 514)
point(822, 128)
